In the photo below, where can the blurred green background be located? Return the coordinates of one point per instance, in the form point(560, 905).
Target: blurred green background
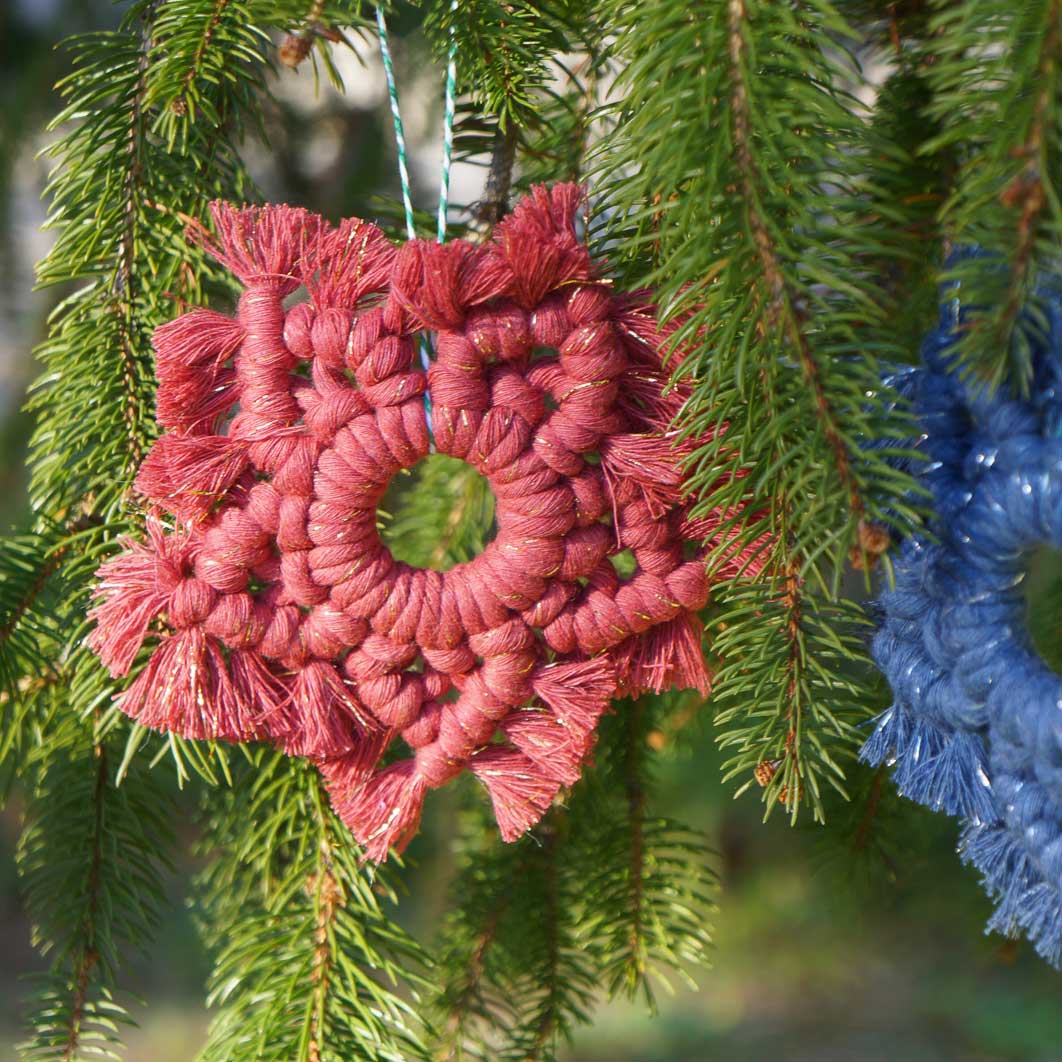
point(861, 942)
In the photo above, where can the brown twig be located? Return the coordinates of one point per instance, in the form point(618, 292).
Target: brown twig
point(495, 202)
point(90, 953)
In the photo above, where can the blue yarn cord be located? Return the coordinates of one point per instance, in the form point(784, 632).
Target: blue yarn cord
point(403, 168)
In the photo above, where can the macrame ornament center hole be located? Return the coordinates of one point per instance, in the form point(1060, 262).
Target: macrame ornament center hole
point(1043, 604)
point(425, 537)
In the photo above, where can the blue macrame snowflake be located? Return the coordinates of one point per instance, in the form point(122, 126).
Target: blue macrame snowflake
point(975, 728)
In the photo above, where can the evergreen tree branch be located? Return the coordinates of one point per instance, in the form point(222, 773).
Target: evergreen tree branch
point(647, 880)
point(103, 849)
point(89, 954)
point(751, 226)
point(307, 962)
point(997, 84)
point(776, 287)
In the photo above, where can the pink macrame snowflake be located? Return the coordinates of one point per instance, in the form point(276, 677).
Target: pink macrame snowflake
point(278, 612)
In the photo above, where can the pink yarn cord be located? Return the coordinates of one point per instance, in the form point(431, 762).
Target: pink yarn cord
point(284, 616)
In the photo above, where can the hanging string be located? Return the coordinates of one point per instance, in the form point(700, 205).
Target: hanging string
point(396, 115)
point(403, 168)
point(448, 129)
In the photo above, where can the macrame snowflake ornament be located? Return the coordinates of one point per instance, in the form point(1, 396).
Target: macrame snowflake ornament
point(278, 612)
point(976, 725)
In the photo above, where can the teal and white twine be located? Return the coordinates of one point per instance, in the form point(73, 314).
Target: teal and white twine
point(396, 115)
point(403, 168)
point(448, 130)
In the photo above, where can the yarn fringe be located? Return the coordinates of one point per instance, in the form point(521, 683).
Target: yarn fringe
point(669, 656)
point(518, 791)
point(344, 265)
point(577, 694)
point(384, 812)
point(196, 388)
point(259, 242)
point(539, 242)
point(354, 768)
point(325, 715)
point(267, 699)
point(439, 283)
point(1024, 900)
point(133, 589)
point(650, 463)
point(185, 688)
point(188, 474)
point(554, 748)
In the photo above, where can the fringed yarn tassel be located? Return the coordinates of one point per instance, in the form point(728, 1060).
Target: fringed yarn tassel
point(195, 386)
point(438, 283)
point(264, 695)
point(1040, 916)
point(259, 243)
point(194, 401)
point(325, 713)
point(643, 400)
point(185, 688)
point(956, 780)
point(892, 730)
point(1024, 899)
point(351, 770)
point(188, 474)
point(554, 748)
point(648, 462)
point(669, 656)
point(518, 791)
point(383, 812)
point(539, 242)
point(196, 338)
point(577, 694)
point(346, 264)
point(133, 589)
point(924, 743)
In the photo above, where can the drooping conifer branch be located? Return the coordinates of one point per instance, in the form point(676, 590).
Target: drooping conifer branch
point(76, 822)
point(633, 783)
point(305, 953)
point(89, 953)
point(997, 83)
point(774, 304)
point(549, 1017)
point(782, 311)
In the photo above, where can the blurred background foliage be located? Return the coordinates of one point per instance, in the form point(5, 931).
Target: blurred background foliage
point(862, 942)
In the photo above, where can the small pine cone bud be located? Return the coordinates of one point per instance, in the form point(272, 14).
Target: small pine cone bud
point(874, 540)
point(293, 49)
point(765, 771)
point(1026, 190)
point(179, 106)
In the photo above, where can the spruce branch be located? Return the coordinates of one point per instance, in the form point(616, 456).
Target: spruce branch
point(103, 849)
point(997, 94)
point(495, 202)
point(777, 293)
point(752, 227)
point(89, 954)
point(308, 967)
point(647, 880)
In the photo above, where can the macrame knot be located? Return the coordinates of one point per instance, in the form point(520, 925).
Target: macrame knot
point(276, 611)
point(973, 729)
